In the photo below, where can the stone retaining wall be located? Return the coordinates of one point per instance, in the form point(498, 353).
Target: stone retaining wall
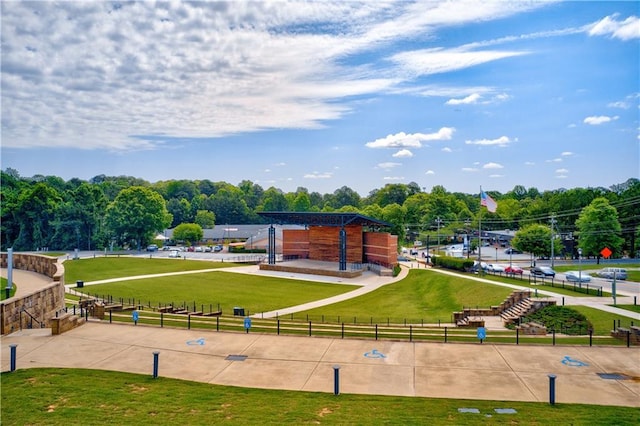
point(42, 304)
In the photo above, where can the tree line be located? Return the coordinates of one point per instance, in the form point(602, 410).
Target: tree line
point(123, 211)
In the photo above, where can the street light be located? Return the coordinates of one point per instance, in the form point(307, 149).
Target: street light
point(580, 267)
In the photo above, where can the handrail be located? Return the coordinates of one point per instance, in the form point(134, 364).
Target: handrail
point(31, 316)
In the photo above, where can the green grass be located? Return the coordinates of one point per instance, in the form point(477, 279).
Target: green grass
point(3, 286)
point(587, 290)
point(92, 397)
point(422, 295)
point(632, 308)
point(101, 268)
point(254, 293)
point(602, 321)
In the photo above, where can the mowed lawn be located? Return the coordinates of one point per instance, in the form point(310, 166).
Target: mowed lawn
point(49, 396)
point(101, 268)
point(422, 296)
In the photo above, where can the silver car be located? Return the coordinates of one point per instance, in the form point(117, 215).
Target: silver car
point(576, 276)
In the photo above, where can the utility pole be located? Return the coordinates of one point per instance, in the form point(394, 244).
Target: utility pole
point(553, 222)
point(438, 222)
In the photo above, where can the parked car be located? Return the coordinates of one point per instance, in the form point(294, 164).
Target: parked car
point(166, 248)
point(511, 250)
point(174, 253)
point(513, 269)
point(577, 276)
point(199, 249)
point(152, 247)
point(478, 266)
point(403, 258)
point(620, 273)
point(542, 271)
point(494, 267)
point(207, 249)
point(414, 252)
point(217, 248)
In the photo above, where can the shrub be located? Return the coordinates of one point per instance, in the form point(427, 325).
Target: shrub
point(454, 263)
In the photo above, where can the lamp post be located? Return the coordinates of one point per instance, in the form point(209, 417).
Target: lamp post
point(580, 268)
point(496, 254)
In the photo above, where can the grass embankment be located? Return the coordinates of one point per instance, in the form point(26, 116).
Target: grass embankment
point(92, 397)
point(3, 285)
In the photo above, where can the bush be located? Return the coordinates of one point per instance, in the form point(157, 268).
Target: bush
point(455, 263)
point(561, 319)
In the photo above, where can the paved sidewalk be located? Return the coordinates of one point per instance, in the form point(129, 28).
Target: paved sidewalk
point(26, 281)
point(435, 370)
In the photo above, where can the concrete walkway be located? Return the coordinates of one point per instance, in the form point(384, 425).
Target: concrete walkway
point(26, 281)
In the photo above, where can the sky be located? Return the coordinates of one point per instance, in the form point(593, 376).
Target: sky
point(324, 94)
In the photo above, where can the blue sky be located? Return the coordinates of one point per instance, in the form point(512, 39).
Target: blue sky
point(325, 94)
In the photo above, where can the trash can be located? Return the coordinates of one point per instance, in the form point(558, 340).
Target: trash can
point(238, 311)
point(79, 284)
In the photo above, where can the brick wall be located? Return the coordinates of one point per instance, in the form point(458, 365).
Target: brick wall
point(380, 247)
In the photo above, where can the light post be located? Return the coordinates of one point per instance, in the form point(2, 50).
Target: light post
point(580, 267)
point(468, 222)
point(510, 257)
point(496, 254)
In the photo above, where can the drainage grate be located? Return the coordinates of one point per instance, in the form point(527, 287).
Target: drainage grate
point(613, 376)
point(236, 357)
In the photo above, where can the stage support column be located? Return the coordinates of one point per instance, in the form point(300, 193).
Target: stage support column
point(272, 245)
point(343, 249)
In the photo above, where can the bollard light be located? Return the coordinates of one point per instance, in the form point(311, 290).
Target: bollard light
point(156, 355)
point(336, 380)
point(13, 356)
point(552, 389)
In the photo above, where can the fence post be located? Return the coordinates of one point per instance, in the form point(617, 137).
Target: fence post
point(517, 336)
point(445, 334)
point(13, 356)
point(188, 321)
point(590, 337)
point(161, 319)
point(309, 328)
point(110, 313)
point(278, 327)
point(343, 330)
point(410, 333)
point(628, 338)
point(376, 331)
point(554, 336)
point(218, 323)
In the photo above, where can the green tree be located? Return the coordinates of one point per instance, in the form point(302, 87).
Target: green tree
point(190, 233)
point(136, 214)
point(395, 215)
point(302, 202)
point(536, 239)
point(35, 213)
point(598, 227)
point(206, 219)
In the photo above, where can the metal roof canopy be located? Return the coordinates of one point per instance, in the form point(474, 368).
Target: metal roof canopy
point(323, 219)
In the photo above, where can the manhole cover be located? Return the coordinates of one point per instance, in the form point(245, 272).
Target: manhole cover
point(236, 357)
point(613, 376)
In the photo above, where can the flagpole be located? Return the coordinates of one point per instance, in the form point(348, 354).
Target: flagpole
point(480, 230)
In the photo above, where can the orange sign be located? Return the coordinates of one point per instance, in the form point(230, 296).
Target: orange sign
point(605, 252)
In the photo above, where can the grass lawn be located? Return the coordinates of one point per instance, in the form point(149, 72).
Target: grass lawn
point(602, 321)
point(92, 397)
point(254, 293)
point(423, 295)
point(101, 268)
point(3, 286)
point(632, 308)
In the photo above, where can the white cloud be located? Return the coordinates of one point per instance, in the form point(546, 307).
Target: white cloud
point(562, 171)
point(554, 160)
point(624, 30)
point(413, 140)
point(529, 163)
point(502, 141)
point(394, 178)
point(430, 172)
point(210, 69)
point(403, 153)
point(561, 176)
point(388, 165)
point(440, 60)
point(469, 169)
point(566, 154)
point(493, 166)
point(600, 119)
point(282, 164)
point(267, 170)
point(471, 99)
point(316, 175)
point(619, 104)
point(496, 176)
point(446, 149)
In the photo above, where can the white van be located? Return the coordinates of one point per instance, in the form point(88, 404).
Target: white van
point(620, 273)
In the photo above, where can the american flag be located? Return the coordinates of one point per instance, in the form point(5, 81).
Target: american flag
point(488, 202)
